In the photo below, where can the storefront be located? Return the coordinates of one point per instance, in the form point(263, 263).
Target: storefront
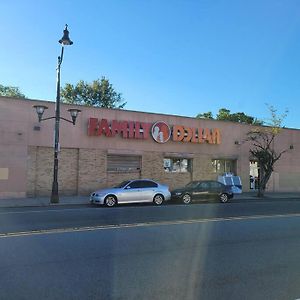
point(107, 146)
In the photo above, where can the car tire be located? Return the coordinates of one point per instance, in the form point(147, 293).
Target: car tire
point(158, 199)
point(186, 199)
point(224, 198)
point(110, 201)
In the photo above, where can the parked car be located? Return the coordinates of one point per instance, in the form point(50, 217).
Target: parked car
point(203, 190)
point(132, 191)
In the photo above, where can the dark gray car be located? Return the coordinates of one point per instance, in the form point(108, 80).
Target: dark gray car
point(132, 191)
point(203, 190)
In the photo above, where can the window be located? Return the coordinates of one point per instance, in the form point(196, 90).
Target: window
point(135, 184)
point(122, 184)
point(204, 185)
point(192, 184)
point(177, 165)
point(215, 185)
point(123, 163)
point(148, 184)
point(221, 166)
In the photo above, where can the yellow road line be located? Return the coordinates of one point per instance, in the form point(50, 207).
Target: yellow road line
point(145, 224)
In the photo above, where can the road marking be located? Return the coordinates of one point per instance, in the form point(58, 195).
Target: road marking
point(145, 224)
point(83, 208)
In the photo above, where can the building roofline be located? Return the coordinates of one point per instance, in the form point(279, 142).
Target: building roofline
point(136, 111)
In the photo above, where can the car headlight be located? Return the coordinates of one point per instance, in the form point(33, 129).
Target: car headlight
point(178, 193)
point(96, 195)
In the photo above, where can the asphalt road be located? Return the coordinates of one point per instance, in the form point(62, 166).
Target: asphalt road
point(45, 218)
point(205, 251)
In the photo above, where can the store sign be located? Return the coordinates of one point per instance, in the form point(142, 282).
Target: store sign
point(160, 131)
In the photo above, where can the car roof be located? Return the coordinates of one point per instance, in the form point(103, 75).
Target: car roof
point(147, 179)
point(200, 181)
point(143, 179)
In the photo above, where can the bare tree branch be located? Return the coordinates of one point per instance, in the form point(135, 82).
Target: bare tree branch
point(262, 141)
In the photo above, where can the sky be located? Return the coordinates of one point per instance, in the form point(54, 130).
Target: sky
point(164, 56)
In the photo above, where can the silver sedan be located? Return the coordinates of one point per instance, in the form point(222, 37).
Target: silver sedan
point(132, 191)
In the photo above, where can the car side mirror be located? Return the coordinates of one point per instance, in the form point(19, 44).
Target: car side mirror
point(127, 187)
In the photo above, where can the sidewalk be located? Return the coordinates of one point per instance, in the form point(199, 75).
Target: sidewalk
point(44, 201)
point(84, 200)
point(269, 196)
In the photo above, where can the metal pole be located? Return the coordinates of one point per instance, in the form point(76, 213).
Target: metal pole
point(54, 194)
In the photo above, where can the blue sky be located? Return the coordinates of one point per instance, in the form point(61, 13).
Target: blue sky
point(165, 56)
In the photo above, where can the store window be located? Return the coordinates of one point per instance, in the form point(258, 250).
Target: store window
point(123, 163)
point(177, 165)
point(221, 166)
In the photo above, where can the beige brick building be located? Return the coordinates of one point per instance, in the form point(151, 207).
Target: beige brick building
point(108, 146)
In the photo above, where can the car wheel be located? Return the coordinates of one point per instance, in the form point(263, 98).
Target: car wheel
point(158, 199)
point(224, 198)
point(187, 199)
point(110, 201)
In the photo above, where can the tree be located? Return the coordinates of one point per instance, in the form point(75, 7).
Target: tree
point(99, 93)
point(11, 91)
point(224, 114)
point(262, 148)
point(207, 115)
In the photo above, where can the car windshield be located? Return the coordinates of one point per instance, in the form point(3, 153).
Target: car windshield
point(192, 184)
point(122, 184)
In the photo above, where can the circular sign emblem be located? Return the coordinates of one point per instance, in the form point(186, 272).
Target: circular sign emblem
point(161, 132)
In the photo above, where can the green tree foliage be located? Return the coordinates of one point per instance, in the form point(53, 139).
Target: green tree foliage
point(207, 115)
point(225, 115)
point(262, 147)
point(99, 93)
point(11, 91)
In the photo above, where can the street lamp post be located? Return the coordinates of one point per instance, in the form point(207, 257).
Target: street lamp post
point(64, 41)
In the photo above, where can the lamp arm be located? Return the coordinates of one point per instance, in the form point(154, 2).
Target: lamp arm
point(67, 120)
point(47, 118)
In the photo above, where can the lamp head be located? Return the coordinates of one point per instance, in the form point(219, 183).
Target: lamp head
point(40, 110)
point(74, 113)
point(65, 40)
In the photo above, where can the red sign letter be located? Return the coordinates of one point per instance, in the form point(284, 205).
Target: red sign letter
point(93, 126)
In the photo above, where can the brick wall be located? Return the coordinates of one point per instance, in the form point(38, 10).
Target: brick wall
point(44, 171)
point(40, 171)
point(152, 166)
point(92, 170)
point(68, 172)
point(202, 168)
point(82, 171)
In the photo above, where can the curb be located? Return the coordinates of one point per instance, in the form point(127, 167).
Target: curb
point(238, 199)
